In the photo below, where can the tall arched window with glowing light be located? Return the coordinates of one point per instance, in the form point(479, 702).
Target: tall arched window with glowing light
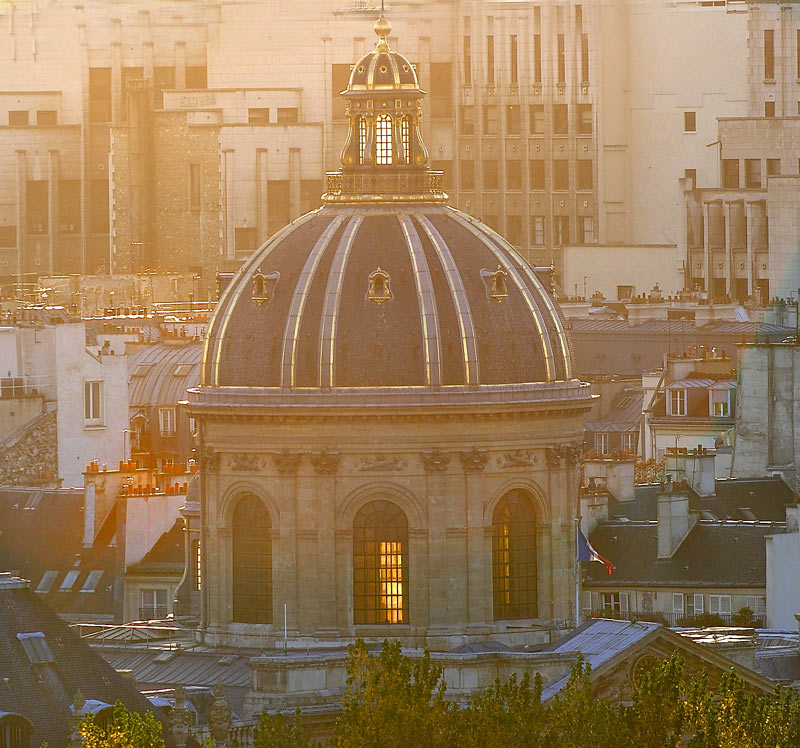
point(252, 562)
point(380, 564)
point(514, 558)
point(362, 139)
point(383, 140)
point(405, 140)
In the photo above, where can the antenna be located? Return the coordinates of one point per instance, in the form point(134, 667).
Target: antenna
point(382, 7)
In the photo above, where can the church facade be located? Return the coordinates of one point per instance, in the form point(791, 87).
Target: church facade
point(388, 422)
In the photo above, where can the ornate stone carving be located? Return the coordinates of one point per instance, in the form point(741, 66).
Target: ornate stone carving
point(244, 463)
point(219, 716)
point(495, 283)
point(475, 459)
point(264, 286)
point(435, 461)
point(325, 462)
point(75, 719)
point(210, 459)
point(522, 458)
point(286, 462)
point(382, 463)
point(565, 453)
point(180, 718)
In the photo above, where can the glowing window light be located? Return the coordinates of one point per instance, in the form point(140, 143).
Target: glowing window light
point(362, 139)
point(391, 576)
point(383, 140)
point(405, 139)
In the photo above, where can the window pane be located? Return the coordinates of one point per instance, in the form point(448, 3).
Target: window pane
point(252, 562)
point(514, 562)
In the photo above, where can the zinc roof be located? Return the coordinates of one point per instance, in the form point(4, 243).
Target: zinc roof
point(160, 374)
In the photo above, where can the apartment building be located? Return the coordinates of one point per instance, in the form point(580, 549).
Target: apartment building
point(181, 135)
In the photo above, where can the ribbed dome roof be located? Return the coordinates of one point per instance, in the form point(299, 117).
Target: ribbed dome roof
point(411, 295)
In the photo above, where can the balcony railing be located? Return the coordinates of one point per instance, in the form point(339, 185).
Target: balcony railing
point(152, 612)
point(677, 619)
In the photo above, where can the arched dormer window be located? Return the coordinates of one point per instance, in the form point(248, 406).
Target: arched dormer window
point(514, 577)
point(362, 139)
point(405, 140)
point(383, 140)
point(252, 562)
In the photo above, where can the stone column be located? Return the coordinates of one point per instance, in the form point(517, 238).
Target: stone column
point(418, 590)
point(52, 206)
point(437, 562)
point(22, 211)
point(228, 203)
point(344, 577)
point(294, 183)
point(729, 266)
point(749, 229)
point(708, 271)
point(329, 159)
point(262, 205)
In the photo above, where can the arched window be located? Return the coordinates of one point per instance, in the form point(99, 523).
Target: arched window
point(362, 139)
point(380, 564)
point(383, 139)
point(197, 566)
point(514, 558)
point(405, 139)
point(252, 562)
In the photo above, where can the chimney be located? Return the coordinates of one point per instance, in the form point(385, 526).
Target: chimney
point(616, 473)
point(675, 521)
point(594, 501)
point(792, 517)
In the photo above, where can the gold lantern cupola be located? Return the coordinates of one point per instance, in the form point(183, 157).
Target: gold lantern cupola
point(384, 158)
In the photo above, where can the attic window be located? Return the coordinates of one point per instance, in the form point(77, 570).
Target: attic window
point(90, 585)
point(36, 647)
point(69, 580)
point(182, 370)
point(46, 582)
point(142, 369)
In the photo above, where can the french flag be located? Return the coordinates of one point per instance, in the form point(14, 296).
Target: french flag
point(587, 553)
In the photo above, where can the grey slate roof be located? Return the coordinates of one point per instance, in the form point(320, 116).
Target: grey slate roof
point(625, 413)
point(714, 554)
point(154, 377)
point(43, 692)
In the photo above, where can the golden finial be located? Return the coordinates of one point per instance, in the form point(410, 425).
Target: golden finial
point(383, 28)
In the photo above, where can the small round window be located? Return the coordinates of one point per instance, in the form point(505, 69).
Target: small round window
point(360, 68)
point(383, 68)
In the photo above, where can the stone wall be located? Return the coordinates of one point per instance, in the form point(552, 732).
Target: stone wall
point(34, 455)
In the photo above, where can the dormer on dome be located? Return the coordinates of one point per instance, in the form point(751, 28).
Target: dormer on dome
point(384, 158)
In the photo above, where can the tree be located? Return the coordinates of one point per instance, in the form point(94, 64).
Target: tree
point(126, 730)
point(279, 731)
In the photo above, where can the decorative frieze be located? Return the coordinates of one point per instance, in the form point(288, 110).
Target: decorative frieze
point(522, 458)
point(382, 464)
point(286, 462)
point(245, 463)
point(563, 454)
point(435, 461)
point(475, 459)
point(325, 462)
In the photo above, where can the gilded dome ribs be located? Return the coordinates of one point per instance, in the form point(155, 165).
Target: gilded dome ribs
point(469, 343)
point(290, 338)
point(333, 295)
point(429, 318)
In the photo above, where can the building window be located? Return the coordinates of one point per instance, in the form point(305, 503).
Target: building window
point(769, 54)
point(719, 604)
point(584, 58)
point(194, 186)
point(46, 117)
point(584, 117)
point(560, 174)
point(514, 61)
point(773, 167)
point(514, 230)
point(467, 120)
point(383, 139)
point(197, 566)
point(490, 60)
point(258, 116)
point(13, 732)
point(629, 441)
point(720, 403)
point(560, 119)
point(252, 562)
point(758, 604)
point(153, 604)
point(537, 58)
point(561, 59)
point(613, 604)
point(677, 402)
point(584, 174)
point(405, 140)
point(752, 173)
point(288, 115)
point(92, 580)
point(47, 581)
point(730, 173)
point(513, 120)
point(601, 443)
point(562, 230)
point(99, 94)
point(537, 230)
point(468, 60)
point(166, 421)
point(694, 604)
point(380, 564)
point(690, 121)
point(769, 108)
point(490, 120)
point(537, 119)
point(514, 577)
point(467, 175)
point(362, 139)
point(93, 403)
point(677, 604)
point(587, 229)
point(490, 181)
point(514, 175)
point(537, 174)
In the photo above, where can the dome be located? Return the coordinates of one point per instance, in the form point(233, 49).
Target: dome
point(396, 296)
point(383, 69)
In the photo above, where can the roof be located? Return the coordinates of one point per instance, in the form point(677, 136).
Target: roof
point(167, 553)
point(41, 538)
point(451, 306)
point(625, 413)
point(731, 554)
point(42, 690)
point(160, 374)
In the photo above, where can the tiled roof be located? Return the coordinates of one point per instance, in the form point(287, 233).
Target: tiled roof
point(43, 692)
point(166, 554)
point(731, 554)
point(625, 413)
